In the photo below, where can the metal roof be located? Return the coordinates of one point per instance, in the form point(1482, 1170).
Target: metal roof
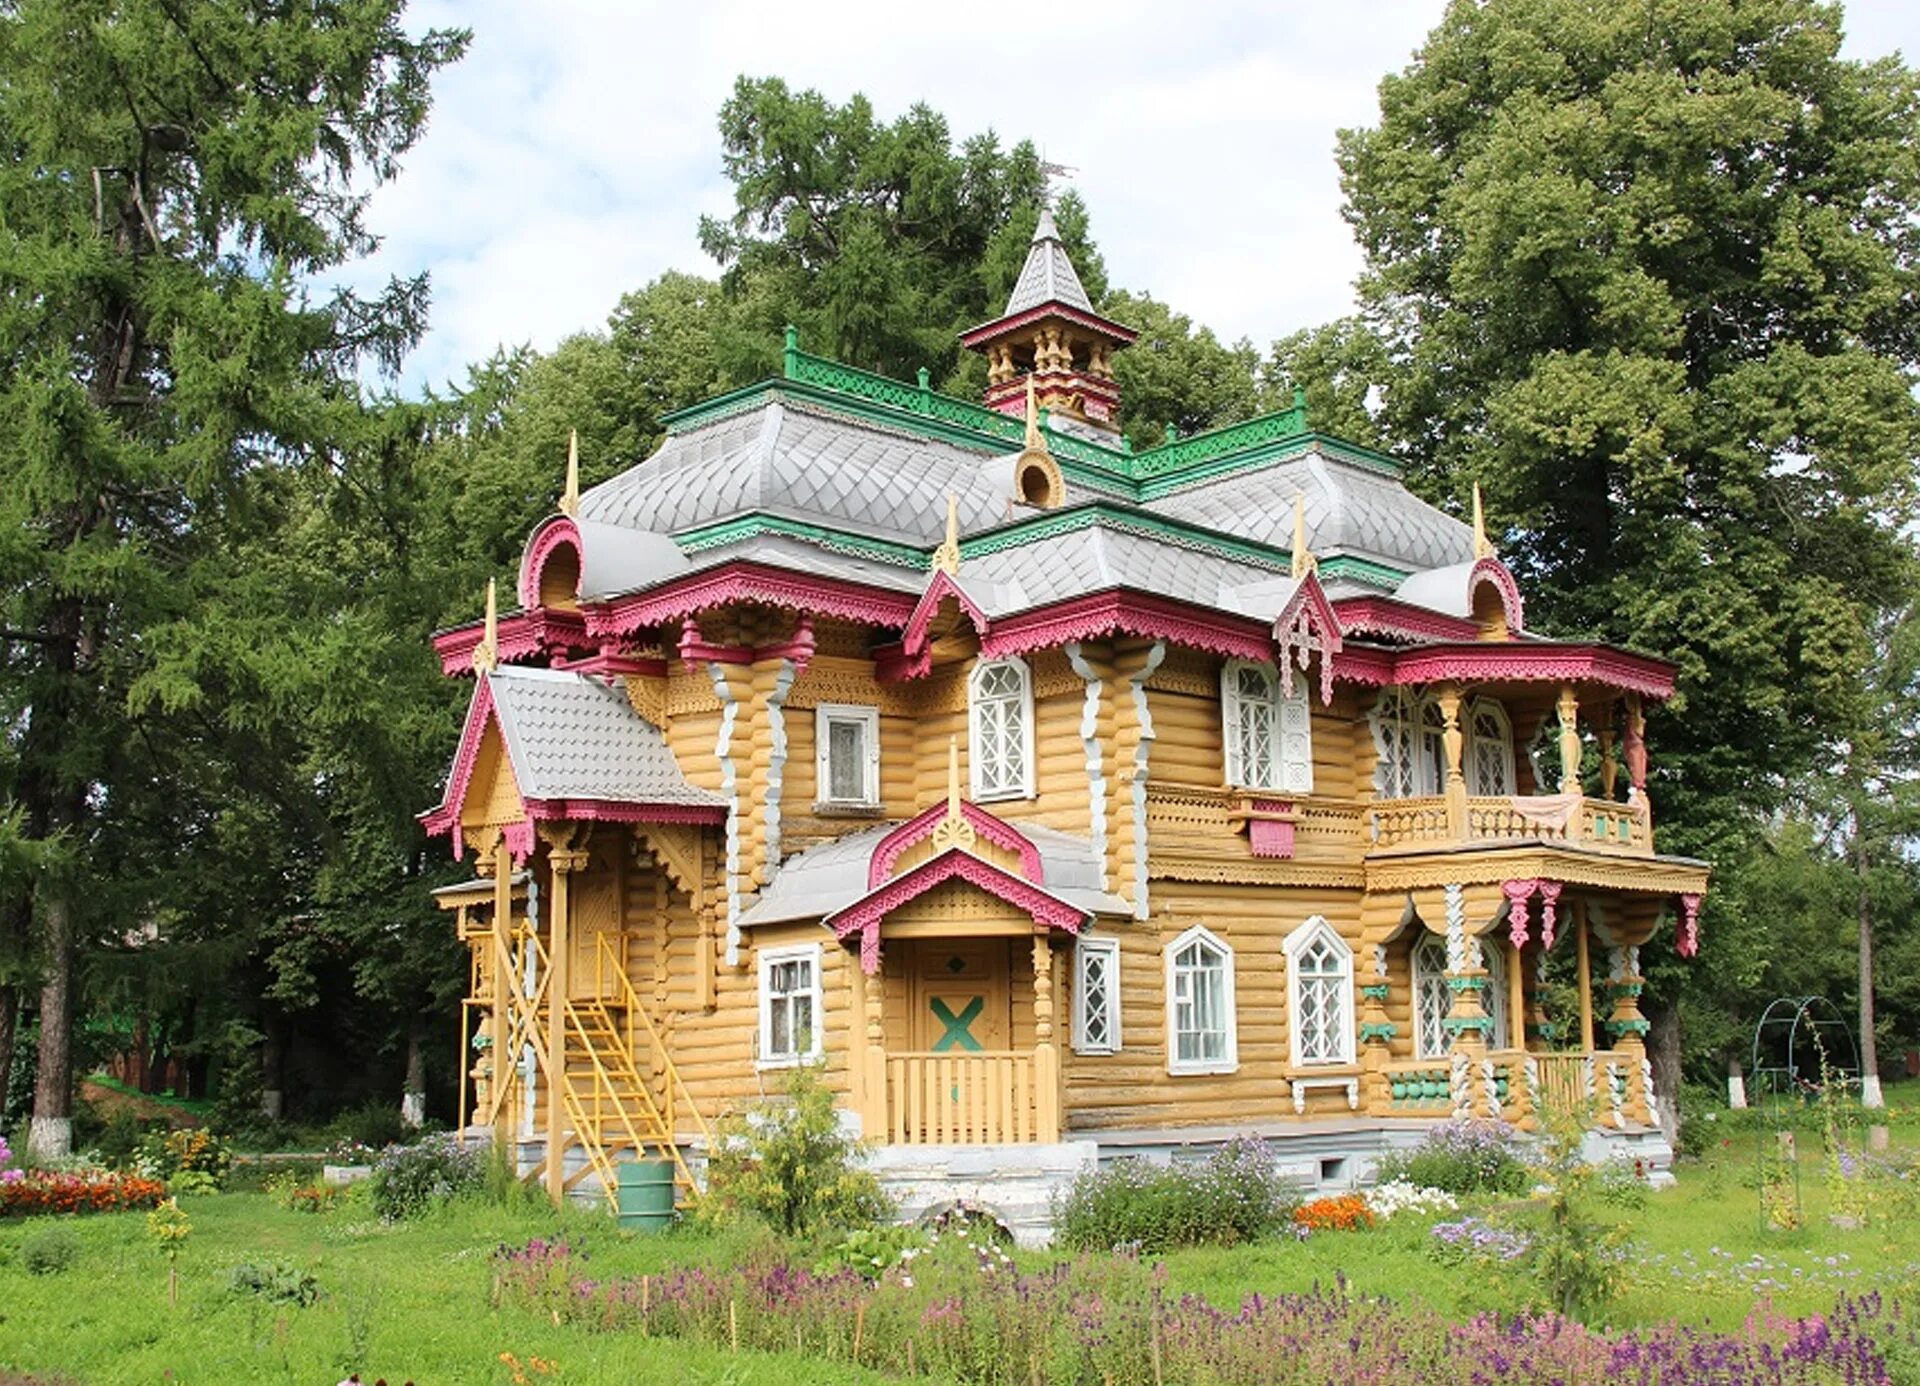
point(572, 736)
point(1048, 276)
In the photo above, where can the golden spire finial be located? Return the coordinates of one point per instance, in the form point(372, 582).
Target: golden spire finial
point(570, 498)
point(1303, 560)
point(486, 655)
point(1034, 440)
point(1482, 546)
point(954, 830)
point(946, 558)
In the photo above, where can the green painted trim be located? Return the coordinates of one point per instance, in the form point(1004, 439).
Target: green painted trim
point(1480, 983)
point(1183, 454)
point(752, 525)
point(1381, 1031)
point(1111, 515)
point(1629, 1027)
point(1462, 1024)
point(1363, 570)
point(1376, 991)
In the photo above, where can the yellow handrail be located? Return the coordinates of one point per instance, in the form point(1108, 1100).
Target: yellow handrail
point(634, 1007)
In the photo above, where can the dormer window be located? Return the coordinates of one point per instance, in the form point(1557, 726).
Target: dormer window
point(1000, 730)
point(1268, 734)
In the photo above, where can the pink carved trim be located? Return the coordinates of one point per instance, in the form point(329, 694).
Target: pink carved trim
point(913, 640)
point(695, 651)
point(556, 532)
point(1518, 893)
point(1366, 664)
point(1689, 940)
point(1127, 613)
point(446, 817)
point(892, 664)
point(615, 811)
point(1403, 620)
point(865, 915)
point(1536, 660)
point(611, 664)
point(519, 840)
point(1305, 626)
point(997, 831)
point(1052, 308)
point(741, 581)
point(1492, 570)
point(1549, 902)
point(1011, 395)
point(523, 636)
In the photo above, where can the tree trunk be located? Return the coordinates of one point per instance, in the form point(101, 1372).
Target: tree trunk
point(272, 1061)
point(1663, 1052)
point(9, 1029)
point(413, 1100)
point(1870, 1095)
point(50, 1136)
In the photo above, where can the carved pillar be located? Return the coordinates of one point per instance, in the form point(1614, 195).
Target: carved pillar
point(1376, 1034)
point(1636, 750)
point(1629, 1030)
point(1454, 739)
point(1609, 762)
point(564, 860)
point(1467, 1023)
point(1046, 1058)
point(1569, 713)
point(1583, 958)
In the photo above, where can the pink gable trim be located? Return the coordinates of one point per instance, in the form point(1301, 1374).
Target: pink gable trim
point(523, 636)
point(998, 831)
point(556, 532)
point(616, 811)
point(1492, 570)
point(1536, 660)
point(749, 582)
point(1127, 613)
point(1305, 626)
point(1385, 616)
point(865, 915)
point(914, 639)
point(446, 817)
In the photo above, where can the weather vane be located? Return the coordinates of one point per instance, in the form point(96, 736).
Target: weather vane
point(1050, 171)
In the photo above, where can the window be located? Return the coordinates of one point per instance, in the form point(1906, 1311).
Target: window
point(1432, 1000)
point(1000, 709)
point(1200, 1018)
point(1096, 995)
point(1489, 749)
point(847, 755)
point(1269, 736)
point(1394, 773)
point(1432, 749)
point(1320, 979)
point(789, 1004)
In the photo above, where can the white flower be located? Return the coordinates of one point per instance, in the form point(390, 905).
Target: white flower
point(1399, 1196)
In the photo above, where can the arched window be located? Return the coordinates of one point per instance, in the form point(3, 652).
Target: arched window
point(1269, 735)
point(1000, 730)
point(1489, 749)
point(1432, 749)
point(1201, 1032)
point(1394, 775)
point(1320, 989)
point(1432, 1000)
point(1543, 754)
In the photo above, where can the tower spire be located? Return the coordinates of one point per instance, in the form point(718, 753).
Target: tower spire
point(1482, 546)
point(946, 558)
point(570, 497)
point(486, 655)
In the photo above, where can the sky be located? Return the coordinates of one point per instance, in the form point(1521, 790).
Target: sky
point(573, 151)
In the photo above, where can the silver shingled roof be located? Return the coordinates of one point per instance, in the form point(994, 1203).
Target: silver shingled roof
point(1048, 276)
point(569, 736)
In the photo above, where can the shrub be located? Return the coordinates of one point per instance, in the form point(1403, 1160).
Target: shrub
point(163, 1155)
point(409, 1179)
point(49, 1250)
point(789, 1163)
point(275, 1281)
point(373, 1126)
point(1234, 1195)
point(1462, 1157)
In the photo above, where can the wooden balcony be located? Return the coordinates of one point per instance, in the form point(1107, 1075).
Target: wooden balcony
point(1593, 1084)
point(979, 1098)
point(1433, 821)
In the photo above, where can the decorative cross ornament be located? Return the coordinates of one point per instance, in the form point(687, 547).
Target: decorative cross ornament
point(959, 1028)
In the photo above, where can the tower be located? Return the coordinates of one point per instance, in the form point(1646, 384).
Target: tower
point(1050, 333)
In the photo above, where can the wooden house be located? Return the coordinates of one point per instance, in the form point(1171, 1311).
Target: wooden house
point(1059, 800)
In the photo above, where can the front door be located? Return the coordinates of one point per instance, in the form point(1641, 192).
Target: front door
point(962, 997)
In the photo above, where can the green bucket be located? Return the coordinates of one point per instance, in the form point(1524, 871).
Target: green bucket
point(644, 1194)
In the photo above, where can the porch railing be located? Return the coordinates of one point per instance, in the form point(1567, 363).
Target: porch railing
point(961, 1099)
point(1582, 822)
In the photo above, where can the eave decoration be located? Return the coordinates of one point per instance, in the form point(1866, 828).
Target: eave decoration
point(1307, 626)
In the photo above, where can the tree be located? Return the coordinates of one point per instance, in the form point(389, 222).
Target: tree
point(1178, 374)
point(176, 172)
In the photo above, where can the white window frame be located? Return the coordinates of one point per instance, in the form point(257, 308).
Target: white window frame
point(1289, 730)
point(1426, 977)
point(770, 958)
point(1084, 950)
point(1395, 720)
point(824, 716)
point(1229, 1061)
point(1489, 707)
point(980, 791)
point(1313, 931)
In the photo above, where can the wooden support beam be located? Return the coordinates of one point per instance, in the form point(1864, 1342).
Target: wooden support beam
point(1582, 953)
point(1516, 998)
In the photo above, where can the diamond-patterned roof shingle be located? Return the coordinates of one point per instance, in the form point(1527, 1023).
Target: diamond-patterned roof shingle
point(570, 736)
point(1048, 275)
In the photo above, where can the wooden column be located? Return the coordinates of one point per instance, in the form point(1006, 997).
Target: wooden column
point(875, 1119)
point(1046, 1058)
point(1585, 963)
point(1516, 999)
point(1454, 739)
point(498, 1021)
point(564, 862)
point(1569, 712)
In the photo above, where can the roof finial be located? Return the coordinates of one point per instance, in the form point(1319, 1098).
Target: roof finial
point(570, 498)
point(946, 558)
point(1482, 546)
point(1034, 440)
point(954, 830)
point(486, 655)
point(1303, 560)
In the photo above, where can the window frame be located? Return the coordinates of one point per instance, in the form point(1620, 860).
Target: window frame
point(868, 718)
point(1394, 720)
point(1492, 958)
point(1315, 929)
point(1229, 1061)
point(1509, 771)
point(978, 791)
point(1288, 773)
point(770, 958)
point(1106, 947)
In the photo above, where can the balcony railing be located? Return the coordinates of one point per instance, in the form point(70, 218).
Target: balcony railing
point(1603, 823)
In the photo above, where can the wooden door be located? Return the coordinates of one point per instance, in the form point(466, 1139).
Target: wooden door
point(962, 997)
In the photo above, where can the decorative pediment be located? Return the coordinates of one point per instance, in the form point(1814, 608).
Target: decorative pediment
point(937, 828)
point(942, 586)
point(866, 915)
point(1307, 626)
point(1490, 573)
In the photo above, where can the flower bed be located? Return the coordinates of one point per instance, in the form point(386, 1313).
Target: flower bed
point(1342, 1213)
point(1107, 1321)
point(92, 1191)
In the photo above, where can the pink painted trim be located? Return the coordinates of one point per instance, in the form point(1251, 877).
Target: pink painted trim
point(1385, 616)
point(1689, 939)
point(892, 664)
point(1366, 664)
point(519, 840)
point(1128, 613)
point(446, 817)
point(611, 664)
point(1549, 902)
point(695, 651)
point(1052, 308)
point(616, 811)
point(1270, 837)
point(1536, 660)
point(524, 636)
point(1518, 893)
point(742, 581)
point(913, 640)
point(1492, 570)
point(865, 915)
point(918, 828)
point(552, 534)
point(1305, 626)
point(1011, 395)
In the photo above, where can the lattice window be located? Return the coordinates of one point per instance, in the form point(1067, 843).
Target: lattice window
point(1432, 748)
point(1096, 995)
point(789, 1004)
point(1320, 977)
point(1268, 734)
point(1396, 772)
point(1489, 749)
point(1432, 1000)
point(847, 758)
point(1200, 1008)
point(1000, 714)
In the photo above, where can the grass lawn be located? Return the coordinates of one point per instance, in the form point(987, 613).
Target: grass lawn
point(412, 1301)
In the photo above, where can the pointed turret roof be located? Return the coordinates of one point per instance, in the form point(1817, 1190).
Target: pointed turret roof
point(1048, 276)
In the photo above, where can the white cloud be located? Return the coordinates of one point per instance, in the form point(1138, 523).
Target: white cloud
point(572, 152)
